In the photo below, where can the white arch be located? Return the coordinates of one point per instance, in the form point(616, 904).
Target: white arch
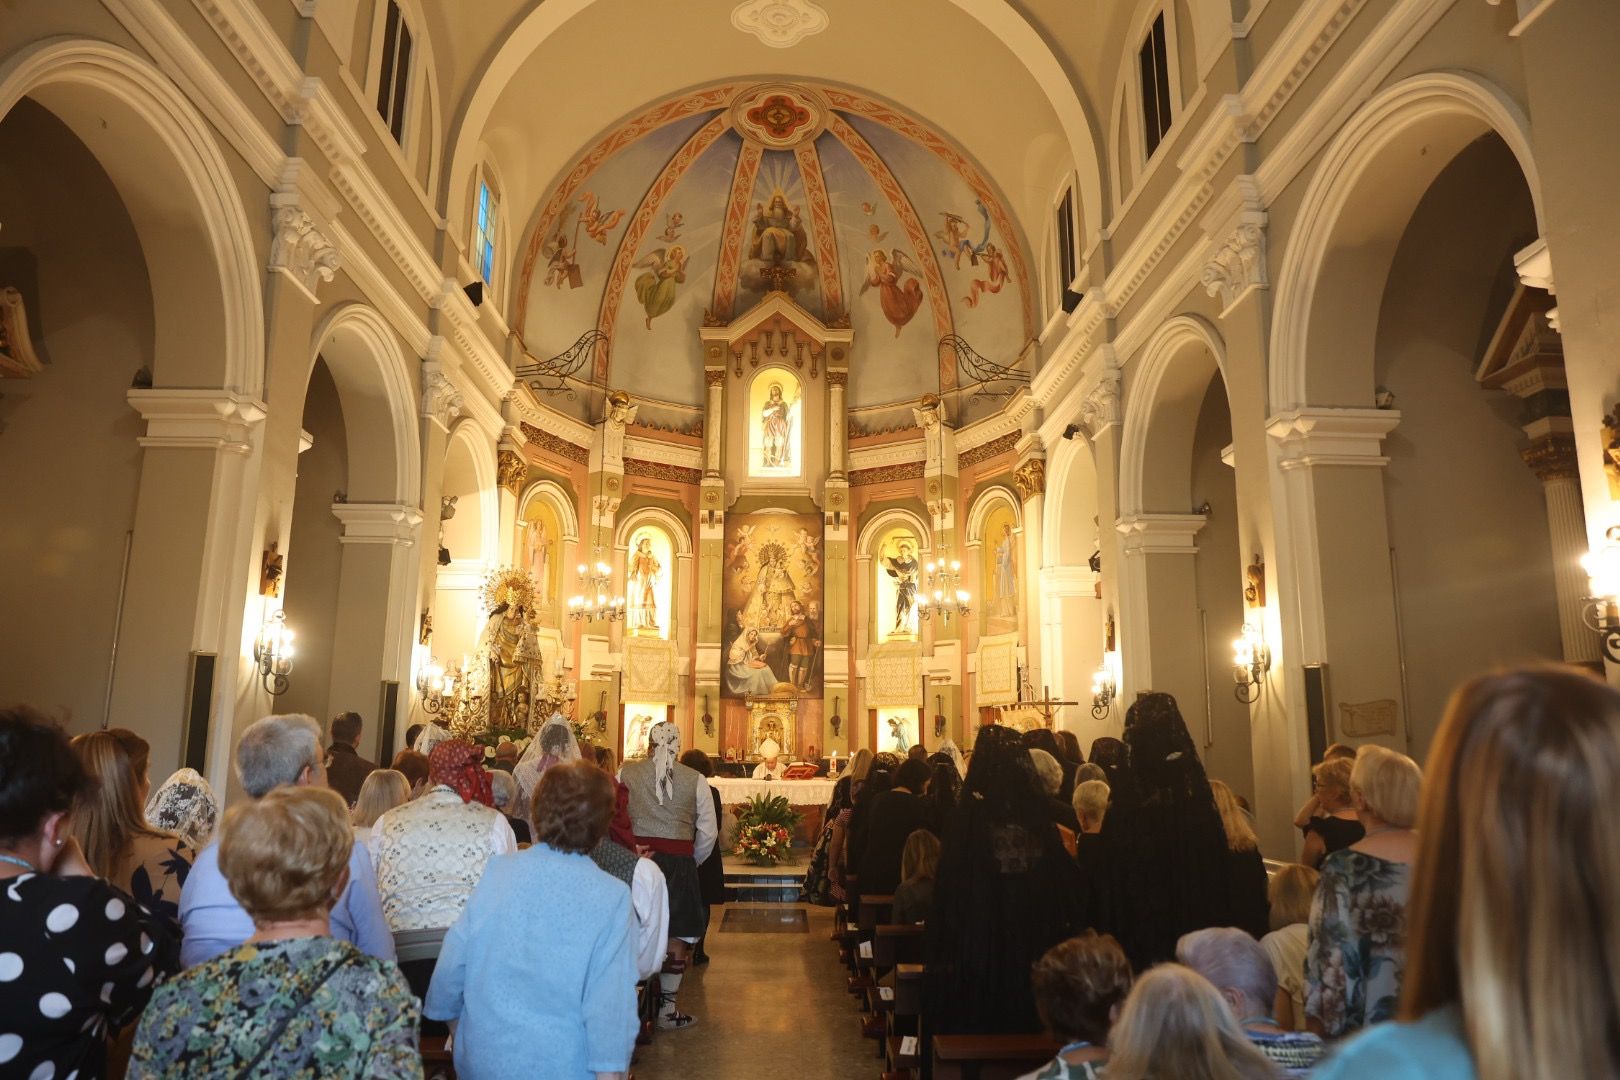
point(387, 372)
point(134, 83)
point(997, 16)
point(1379, 122)
point(894, 515)
point(1142, 396)
point(1064, 464)
point(554, 495)
point(679, 537)
point(479, 449)
point(983, 503)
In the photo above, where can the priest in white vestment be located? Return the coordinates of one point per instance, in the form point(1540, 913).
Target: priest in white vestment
point(771, 768)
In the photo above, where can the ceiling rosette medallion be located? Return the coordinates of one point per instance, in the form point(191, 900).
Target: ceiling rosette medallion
point(781, 24)
point(778, 116)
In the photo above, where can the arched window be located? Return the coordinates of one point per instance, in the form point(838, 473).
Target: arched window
point(649, 574)
point(486, 226)
point(1065, 252)
point(897, 572)
point(775, 422)
point(394, 70)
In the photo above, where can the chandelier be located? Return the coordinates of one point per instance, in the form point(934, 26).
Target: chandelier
point(594, 600)
point(943, 594)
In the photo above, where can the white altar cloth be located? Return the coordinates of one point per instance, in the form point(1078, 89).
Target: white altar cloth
point(733, 790)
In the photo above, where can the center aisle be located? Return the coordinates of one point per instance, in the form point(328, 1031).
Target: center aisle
point(767, 1004)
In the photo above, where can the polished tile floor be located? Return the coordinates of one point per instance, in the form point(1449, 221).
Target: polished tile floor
point(768, 1004)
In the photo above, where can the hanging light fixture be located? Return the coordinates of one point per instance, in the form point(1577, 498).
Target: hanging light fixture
point(943, 593)
point(595, 599)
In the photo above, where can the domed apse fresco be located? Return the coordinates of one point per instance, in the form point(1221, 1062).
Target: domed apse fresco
point(690, 213)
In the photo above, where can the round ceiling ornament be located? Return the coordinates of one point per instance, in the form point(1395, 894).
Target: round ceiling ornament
point(778, 116)
point(781, 24)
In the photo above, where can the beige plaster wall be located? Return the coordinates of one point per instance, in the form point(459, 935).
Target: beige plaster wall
point(1467, 519)
point(69, 462)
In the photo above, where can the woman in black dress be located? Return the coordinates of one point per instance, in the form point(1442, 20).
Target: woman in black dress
point(78, 957)
point(711, 871)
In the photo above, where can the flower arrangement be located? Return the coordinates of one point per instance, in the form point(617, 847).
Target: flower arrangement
point(765, 830)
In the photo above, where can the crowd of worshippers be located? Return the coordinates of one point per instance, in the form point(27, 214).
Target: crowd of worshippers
point(1461, 921)
point(1458, 922)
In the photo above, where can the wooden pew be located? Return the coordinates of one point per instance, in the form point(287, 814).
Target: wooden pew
point(437, 1060)
point(990, 1057)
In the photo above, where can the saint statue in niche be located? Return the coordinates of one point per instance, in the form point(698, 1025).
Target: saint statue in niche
point(902, 567)
point(777, 429)
point(537, 557)
point(1005, 600)
point(644, 572)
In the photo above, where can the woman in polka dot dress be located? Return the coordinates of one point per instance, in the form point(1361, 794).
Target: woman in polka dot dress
point(78, 957)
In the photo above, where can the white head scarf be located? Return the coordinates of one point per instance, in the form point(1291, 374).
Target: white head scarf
point(665, 741)
point(552, 745)
point(185, 804)
point(952, 751)
point(432, 735)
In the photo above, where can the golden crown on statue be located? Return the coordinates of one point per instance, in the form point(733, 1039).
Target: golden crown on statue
point(508, 585)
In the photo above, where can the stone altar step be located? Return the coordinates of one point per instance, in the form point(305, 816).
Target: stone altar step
point(764, 884)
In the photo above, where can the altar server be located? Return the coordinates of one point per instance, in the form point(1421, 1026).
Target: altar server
point(672, 813)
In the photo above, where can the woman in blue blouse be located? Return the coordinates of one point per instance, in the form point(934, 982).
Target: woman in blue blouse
point(540, 970)
point(1513, 937)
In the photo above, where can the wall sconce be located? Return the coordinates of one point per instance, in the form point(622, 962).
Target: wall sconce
point(1104, 686)
point(1250, 662)
point(1602, 611)
point(836, 720)
point(436, 686)
point(939, 717)
point(273, 653)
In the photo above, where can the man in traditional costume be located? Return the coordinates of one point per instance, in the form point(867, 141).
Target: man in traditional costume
point(672, 812)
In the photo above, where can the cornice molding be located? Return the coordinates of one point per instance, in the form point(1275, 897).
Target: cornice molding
point(1311, 437)
point(889, 454)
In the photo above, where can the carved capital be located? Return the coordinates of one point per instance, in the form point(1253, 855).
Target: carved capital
point(1552, 458)
point(838, 378)
point(714, 376)
point(441, 401)
point(301, 251)
point(1030, 478)
point(1101, 408)
point(511, 470)
point(1239, 263)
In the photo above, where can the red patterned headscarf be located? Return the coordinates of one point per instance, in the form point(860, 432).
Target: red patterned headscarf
point(460, 765)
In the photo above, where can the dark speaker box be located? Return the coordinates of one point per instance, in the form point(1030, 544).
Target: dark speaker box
point(199, 697)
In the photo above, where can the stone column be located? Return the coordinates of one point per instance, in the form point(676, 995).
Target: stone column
point(378, 582)
point(1553, 459)
point(835, 570)
point(441, 405)
point(1161, 647)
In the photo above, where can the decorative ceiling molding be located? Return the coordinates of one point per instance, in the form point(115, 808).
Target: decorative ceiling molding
point(821, 229)
point(732, 229)
point(781, 24)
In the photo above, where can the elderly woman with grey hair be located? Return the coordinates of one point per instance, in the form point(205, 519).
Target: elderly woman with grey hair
point(505, 791)
point(1238, 967)
point(277, 751)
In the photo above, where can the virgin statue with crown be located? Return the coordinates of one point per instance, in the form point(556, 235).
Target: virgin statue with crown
point(507, 670)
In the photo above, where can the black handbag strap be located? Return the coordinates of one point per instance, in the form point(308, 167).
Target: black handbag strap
point(292, 1014)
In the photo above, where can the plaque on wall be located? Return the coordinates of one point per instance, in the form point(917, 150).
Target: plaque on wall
point(1366, 719)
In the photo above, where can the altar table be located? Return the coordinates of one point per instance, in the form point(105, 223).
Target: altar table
point(808, 797)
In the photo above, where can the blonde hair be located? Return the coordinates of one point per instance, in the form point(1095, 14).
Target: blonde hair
point(1334, 775)
point(381, 792)
point(1517, 877)
point(1290, 892)
point(1239, 833)
point(1389, 783)
point(920, 857)
point(1091, 800)
point(285, 853)
point(1175, 1024)
point(109, 815)
point(859, 766)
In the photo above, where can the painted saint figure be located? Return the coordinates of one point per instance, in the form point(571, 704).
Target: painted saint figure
point(656, 286)
point(747, 673)
point(778, 233)
point(537, 557)
point(644, 572)
point(903, 568)
point(1006, 574)
point(894, 275)
point(774, 592)
point(803, 636)
point(778, 429)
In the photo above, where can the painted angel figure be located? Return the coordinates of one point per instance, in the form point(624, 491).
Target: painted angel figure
point(665, 271)
point(998, 275)
point(737, 554)
point(598, 223)
point(895, 276)
point(810, 551)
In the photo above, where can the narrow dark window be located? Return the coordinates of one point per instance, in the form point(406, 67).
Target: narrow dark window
point(1156, 110)
point(393, 76)
point(1067, 266)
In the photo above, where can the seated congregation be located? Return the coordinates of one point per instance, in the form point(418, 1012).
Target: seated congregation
point(1013, 911)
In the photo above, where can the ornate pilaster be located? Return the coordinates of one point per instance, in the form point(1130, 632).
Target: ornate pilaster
point(1030, 478)
point(1237, 265)
point(511, 471)
point(713, 418)
point(301, 251)
point(1101, 408)
point(837, 382)
point(441, 401)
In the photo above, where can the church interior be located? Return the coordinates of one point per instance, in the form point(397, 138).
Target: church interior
point(816, 375)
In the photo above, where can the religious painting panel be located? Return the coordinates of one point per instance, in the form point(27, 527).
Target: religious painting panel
point(775, 424)
point(539, 551)
point(897, 729)
point(772, 600)
point(998, 556)
point(897, 571)
point(639, 718)
point(649, 566)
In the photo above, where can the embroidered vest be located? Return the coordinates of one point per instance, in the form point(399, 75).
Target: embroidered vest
point(676, 818)
point(616, 859)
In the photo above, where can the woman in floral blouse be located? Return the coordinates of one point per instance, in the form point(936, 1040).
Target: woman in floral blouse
point(291, 1001)
point(1357, 949)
